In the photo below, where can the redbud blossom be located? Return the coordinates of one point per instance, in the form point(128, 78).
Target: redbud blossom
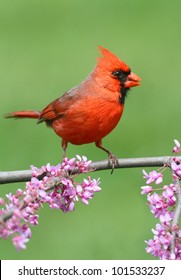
point(162, 206)
point(146, 189)
point(153, 176)
point(176, 148)
point(57, 188)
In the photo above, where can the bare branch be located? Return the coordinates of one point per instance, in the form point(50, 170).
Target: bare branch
point(15, 176)
point(25, 175)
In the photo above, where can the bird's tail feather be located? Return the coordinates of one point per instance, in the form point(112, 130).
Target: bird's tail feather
point(24, 114)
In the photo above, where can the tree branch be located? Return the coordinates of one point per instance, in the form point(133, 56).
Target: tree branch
point(25, 175)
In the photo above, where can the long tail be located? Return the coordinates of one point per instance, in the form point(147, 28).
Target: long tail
point(24, 114)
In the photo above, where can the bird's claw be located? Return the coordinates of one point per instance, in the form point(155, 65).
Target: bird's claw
point(112, 161)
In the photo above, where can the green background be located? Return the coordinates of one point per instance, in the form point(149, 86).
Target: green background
point(47, 47)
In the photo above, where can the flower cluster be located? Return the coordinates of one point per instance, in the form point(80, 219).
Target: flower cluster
point(166, 243)
point(54, 185)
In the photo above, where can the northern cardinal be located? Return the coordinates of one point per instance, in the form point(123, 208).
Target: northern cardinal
point(91, 110)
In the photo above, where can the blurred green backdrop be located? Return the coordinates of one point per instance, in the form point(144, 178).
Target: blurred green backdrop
point(47, 47)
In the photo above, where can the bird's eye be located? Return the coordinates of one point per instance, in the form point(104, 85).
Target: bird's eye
point(120, 74)
point(117, 73)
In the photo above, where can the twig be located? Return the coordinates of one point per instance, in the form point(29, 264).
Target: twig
point(25, 175)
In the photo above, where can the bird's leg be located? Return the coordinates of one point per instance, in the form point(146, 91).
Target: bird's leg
point(111, 157)
point(64, 147)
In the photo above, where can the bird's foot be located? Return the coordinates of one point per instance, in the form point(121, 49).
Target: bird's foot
point(112, 161)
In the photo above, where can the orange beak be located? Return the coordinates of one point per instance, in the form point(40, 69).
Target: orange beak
point(132, 80)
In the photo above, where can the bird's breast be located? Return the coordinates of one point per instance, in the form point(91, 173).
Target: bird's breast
point(89, 119)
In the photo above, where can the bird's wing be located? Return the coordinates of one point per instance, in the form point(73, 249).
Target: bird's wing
point(59, 106)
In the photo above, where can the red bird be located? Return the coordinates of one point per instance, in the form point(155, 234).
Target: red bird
point(91, 110)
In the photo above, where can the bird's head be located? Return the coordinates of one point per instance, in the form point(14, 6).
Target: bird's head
point(112, 73)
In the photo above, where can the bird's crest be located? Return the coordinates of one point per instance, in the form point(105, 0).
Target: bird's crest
point(110, 62)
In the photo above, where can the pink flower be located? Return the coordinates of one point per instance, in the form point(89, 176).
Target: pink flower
point(153, 176)
point(176, 167)
point(160, 230)
point(169, 195)
point(19, 242)
point(33, 220)
point(87, 189)
point(26, 231)
point(57, 187)
point(162, 205)
point(54, 170)
point(146, 189)
point(83, 164)
point(71, 206)
point(166, 218)
point(68, 164)
point(176, 148)
point(154, 247)
point(166, 240)
point(157, 204)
